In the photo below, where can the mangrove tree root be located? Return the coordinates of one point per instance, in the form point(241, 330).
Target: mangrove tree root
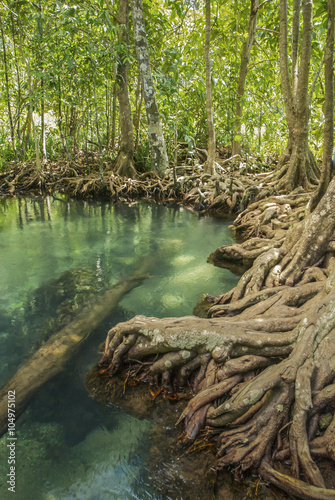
point(251, 379)
point(267, 215)
point(261, 373)
point(300, 169)
point(285, 261)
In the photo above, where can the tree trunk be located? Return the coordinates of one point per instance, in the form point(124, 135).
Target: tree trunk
point(7, 91)
point(31, 107)
point(260, 369)
point(60, 121)
point(96, 115)
point(26, 129)
point(297, 165)
point(43, 135)
point(18, 84)
point(159, 159)
point(40, 51)
point(210, 162)
point(108, 118)
point(52, 357)
point(125, 159)
point(138, 109)
point(247, 45)
point(328, 132)
point(113, 118)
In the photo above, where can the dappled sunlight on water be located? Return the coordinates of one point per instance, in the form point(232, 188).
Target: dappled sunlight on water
point(70, 447)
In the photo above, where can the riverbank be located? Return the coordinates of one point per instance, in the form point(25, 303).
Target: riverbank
point(226, 192)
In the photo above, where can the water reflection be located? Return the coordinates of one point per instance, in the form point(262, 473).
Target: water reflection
point(68, 445)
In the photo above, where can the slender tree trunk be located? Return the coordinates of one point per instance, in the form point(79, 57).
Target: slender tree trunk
point(284, 67)
point(159, 159)
point(7, 91)
point(108, 115)
point(40, 50)
point(101, 166)
point(26, 130)
point(96, 114)
point(88, 121)
point(31, 106)
point(74, 128)
point(18, 112)
point(247, 45)
point(124, 162)
point(37, 145)
point(328, 132)
point(113, 111)
point(138, 108)
point(295, 45)
point(43, 134)
point(60, 121)
point(210, 163)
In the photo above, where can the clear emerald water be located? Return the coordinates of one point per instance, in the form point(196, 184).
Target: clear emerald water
point(69, 446)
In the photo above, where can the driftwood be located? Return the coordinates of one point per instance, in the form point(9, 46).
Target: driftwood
point(52, 357)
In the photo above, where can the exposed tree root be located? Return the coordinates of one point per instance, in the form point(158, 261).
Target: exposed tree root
point(224, 192)
point(124, 166)
point(300, 169)
point(240, 257)
point(286, 257)
point(261, 367)
point(266, 216)
point(294, 486)
point(221, 358)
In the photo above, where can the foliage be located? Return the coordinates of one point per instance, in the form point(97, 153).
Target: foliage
point(69, 51)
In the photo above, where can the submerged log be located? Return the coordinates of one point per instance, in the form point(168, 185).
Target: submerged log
point(52, 357)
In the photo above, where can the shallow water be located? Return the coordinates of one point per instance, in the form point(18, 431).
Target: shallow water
point(70, 447)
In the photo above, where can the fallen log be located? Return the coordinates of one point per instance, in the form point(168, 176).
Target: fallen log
point(52, 357)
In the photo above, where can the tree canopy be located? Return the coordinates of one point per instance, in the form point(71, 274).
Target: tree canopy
point(60, 70)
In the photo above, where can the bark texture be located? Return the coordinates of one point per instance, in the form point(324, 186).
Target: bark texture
point(159, 159)
point(124, 162)
point(245, 55)
point(10, 116)
point(297, 165)
point(209, 164)
point(328, 132)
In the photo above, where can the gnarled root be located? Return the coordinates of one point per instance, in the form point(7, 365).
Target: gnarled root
point(261, 369)
point(267, 215)
point(251, 380)
point(294, 486)
point(288, 260)
point(300, 169)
